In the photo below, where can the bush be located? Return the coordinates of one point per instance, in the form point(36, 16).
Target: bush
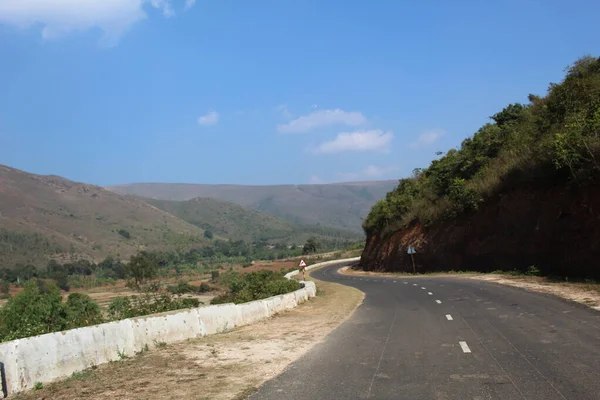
point(120, 308)
point(181, 288)
point(255, 286)
point(81, 310)
point(204, 287)
point(148, 303)
point(214, 275)
point(124, 233)
point(38, 309)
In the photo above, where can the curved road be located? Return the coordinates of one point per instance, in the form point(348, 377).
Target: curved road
point(448, 338)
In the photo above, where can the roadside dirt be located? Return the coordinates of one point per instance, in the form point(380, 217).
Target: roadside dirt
point(224, 366)
point(585, 293)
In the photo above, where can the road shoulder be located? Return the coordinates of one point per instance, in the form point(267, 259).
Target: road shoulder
point(583, 293)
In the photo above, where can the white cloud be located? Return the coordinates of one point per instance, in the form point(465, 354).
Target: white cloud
point(375, 140)
point(321, 118)
point(315, 180)
point(210, 118)
point(284, 111)
point(370, 172)
point(61, 17)
point(189, 4)
point(427, 139)
point(164, 6)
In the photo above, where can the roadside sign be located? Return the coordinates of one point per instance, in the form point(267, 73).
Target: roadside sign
point(302, 264)
point(412, 252)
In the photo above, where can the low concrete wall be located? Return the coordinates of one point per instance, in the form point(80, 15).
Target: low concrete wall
point(49, 357)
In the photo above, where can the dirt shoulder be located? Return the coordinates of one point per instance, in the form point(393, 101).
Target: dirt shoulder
point(585, 293)
point(223, 366)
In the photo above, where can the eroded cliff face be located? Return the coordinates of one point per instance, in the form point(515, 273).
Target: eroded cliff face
point(555, 229)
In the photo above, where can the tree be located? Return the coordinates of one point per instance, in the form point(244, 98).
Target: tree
point(38, 309)
point(310, 246)
point(81, 310)
point(208, 234)
point(141, 268)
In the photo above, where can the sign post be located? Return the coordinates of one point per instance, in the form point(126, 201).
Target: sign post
point(302, 266)
point(412, 251)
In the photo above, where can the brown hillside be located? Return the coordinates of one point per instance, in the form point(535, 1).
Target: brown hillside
point(49, 216)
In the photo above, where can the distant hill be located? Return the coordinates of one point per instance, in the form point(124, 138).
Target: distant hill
point(238, 223)
point(43, 216)
point(342, 205)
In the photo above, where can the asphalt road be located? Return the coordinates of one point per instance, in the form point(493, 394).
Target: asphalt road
point(449, 338)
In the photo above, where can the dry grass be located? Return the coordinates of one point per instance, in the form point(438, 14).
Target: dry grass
point(225, 366)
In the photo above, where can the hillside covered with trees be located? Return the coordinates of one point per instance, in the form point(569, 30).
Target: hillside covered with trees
point(235, 222)
point(522, 191)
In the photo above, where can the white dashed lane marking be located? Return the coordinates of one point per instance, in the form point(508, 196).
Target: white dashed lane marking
point(449, 317)
point(422, 288)
point(414, 284)
point(438, 301)
point(429, 293)
point(405, 283)
point(465, 348)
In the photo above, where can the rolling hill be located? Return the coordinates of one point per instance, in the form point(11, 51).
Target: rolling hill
point(238, 223)
point(341, 205)
point(43, 216)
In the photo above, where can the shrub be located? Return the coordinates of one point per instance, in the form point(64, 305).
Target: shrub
point(81, 310)
point(204, 287)
point(214, 275)
point(38, 309)
point(181, 288)
point(148, 303)
point(255, 286)
point(124, 233)
point(119, 308)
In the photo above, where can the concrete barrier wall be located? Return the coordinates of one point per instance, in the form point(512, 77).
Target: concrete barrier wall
point(49, 357)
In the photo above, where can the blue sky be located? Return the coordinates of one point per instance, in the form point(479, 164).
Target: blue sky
point(268, 92)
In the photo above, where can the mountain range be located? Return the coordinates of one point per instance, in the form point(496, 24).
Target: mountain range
point(47, 216)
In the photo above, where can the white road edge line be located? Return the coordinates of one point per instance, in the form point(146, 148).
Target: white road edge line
point(429, 293)
point(438, 301)
point(449, 317)
point(465, 348)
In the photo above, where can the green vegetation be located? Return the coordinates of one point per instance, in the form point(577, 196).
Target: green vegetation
point(141, 268)
point(124, 233)
point(235, 222)
point(254, 286)
point(26, 247)
point(150, 301)
point(310, 247)
point(551, 139)
point(39, 309)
